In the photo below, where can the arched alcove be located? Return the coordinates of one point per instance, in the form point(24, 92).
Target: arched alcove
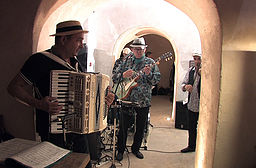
point(102, 23)
point(199, 12)
point(129, 35)
point(158, 45)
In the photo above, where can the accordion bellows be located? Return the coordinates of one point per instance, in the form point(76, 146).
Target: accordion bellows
point(82, 96)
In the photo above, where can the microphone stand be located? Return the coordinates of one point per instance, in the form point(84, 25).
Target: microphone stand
point(115, 106)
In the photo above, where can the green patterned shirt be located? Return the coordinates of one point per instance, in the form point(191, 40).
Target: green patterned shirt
point(142, 93)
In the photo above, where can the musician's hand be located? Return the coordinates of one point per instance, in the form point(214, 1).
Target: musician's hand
point(128, 73)
point(189, 88)
point(49, 104)
point(147, 69)
point(110, 97)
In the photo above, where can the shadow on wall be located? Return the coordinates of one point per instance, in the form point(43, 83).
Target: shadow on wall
point(246, 124)
point(238, 102)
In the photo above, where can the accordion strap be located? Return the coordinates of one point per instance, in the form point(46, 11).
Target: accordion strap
point(57, 59)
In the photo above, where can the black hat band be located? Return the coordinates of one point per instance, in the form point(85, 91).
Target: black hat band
point(66, 29)
point(137, 44)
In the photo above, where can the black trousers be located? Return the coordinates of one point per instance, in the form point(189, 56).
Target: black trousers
point(125, 118)
point(192, 132)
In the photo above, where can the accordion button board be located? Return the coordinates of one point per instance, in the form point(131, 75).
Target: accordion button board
point(82, 96)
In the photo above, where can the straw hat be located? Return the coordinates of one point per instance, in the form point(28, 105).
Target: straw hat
point(139, 42)
point(68, 28)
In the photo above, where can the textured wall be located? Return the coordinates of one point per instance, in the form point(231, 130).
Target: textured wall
point(236, 138)
point(17, 21)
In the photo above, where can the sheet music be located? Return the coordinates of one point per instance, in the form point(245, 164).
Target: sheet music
point(41, 155)
point(13, 146)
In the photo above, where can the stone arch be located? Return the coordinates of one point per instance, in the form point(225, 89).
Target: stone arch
point(204, 14)
point(129, 35)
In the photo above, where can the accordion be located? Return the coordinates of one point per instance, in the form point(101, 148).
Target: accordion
point(82, 96)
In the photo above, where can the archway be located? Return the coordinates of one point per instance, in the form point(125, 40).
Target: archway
point(210, 33)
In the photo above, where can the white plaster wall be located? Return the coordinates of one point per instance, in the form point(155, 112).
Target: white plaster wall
point(114, 18)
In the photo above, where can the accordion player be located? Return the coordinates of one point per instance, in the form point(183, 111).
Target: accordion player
point(82, 96)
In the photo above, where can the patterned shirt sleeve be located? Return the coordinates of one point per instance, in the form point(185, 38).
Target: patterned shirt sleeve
point(116, 72)
point(154, 76)
point(143, 92)
point(185, 80)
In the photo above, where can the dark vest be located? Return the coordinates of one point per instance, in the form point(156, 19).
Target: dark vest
point(191, 81)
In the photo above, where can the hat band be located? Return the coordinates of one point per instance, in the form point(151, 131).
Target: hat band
point(71, 28)
point(137, 44)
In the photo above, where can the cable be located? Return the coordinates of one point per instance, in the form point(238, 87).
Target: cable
point(152, 150)
point(128, 158)
point(166, 127)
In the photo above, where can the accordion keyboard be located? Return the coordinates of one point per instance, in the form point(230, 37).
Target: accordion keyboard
point(83, 98)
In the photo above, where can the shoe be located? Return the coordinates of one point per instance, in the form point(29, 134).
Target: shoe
point(119, 156)
point(187, 149)
point(138, 154)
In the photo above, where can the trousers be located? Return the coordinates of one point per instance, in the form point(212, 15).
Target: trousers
point(125, 118)
point(192, 131)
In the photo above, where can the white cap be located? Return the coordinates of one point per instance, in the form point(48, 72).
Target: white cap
point(197, 54)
